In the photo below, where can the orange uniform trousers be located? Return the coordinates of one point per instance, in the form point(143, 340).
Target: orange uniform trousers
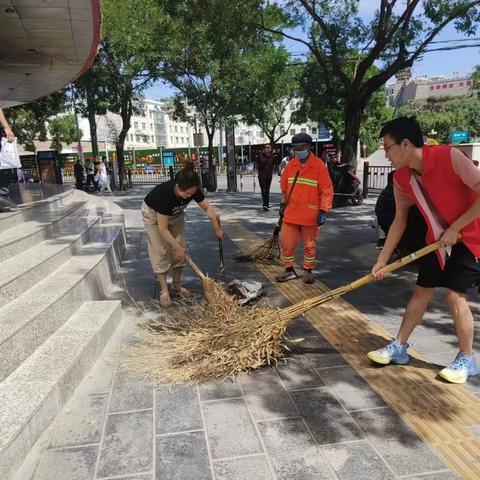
point(290, 234)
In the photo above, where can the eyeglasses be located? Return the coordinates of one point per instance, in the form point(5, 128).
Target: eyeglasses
point(387, 147)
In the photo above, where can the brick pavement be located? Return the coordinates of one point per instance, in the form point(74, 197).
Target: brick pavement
point(314, 418)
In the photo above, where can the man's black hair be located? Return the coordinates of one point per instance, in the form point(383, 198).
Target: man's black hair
point(402, 128)
point(187, 178)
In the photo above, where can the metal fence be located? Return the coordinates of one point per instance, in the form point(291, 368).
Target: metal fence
point(375, 178)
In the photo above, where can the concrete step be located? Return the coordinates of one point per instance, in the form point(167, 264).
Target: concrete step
point(23, 271)
point(22, 237)
point(34, 210)
point(33, 394)
point(28, 320)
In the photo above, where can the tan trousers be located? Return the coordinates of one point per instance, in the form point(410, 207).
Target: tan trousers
point(162, 256)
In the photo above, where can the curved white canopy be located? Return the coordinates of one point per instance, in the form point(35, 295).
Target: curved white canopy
point(44, 45)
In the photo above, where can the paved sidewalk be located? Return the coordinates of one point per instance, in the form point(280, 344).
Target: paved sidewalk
point(314, 418)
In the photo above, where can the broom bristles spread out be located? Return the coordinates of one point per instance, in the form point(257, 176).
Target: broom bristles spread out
point(207, 341)
point(270, 250)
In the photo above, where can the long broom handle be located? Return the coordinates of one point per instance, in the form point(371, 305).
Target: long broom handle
point(395, 265)
point(305, 305)
point(195, 268)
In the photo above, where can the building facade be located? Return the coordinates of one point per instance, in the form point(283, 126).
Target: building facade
point(407, 88)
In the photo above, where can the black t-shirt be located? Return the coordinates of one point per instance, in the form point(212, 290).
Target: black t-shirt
point(164, 200)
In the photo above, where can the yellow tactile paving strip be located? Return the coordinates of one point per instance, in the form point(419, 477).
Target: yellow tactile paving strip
point(441, 414)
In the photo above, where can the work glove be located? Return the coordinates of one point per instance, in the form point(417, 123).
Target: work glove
point(321, 217)
point(281, 212)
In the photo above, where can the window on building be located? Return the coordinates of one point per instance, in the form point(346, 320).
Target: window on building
point(171, 128)
point(138, 139)
point(450, 85)
point(432, 87)
point(176, 129)
point(314, 130)
point(143, 125)
point(151, 126)
point(176, 140)
point(135, 125)
point(171, 140)
point(292, 131)
point(444, 85)
point(282, 120)
point(469, 83)
point(282, 131)
point(181, 129)
point(150, 114)
point(303, 130)
point(292, 107)
point(437, 87)
point(461, 84)
point(153, 139)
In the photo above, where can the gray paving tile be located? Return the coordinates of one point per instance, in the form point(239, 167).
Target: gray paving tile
point(401, 448)
point(357, 461)
point(293, 451)
point(131, 396)
point(148, 476)
point(182, 457)
point(295, 375)
point(315, 352)
point(301, 328)
point(78, 462)
point(267, 406)
point(265, 380)
point(128, 444)
point(246, 468)
point(80, 422)
point(325, 416)
point(177, 409)
point(230, 429)
point(351, 390)
point(218, 389)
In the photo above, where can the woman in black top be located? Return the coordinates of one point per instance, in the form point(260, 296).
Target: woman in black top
point(164, 220)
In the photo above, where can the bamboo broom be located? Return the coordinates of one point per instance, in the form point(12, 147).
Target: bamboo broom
point(210, 341)
point(214, 293)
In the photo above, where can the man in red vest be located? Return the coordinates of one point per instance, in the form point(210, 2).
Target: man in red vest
point(445, 185)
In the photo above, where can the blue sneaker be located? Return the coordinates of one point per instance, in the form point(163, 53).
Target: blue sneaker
point(460, 369)
point(392, 353)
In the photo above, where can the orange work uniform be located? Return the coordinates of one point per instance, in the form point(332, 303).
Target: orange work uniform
point(313, 192)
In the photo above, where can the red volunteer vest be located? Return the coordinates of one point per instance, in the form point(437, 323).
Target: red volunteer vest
point(446, 191)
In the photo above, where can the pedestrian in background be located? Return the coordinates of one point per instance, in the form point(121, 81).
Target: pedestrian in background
point(6, 175)
point(307, 178)
point(265, 165)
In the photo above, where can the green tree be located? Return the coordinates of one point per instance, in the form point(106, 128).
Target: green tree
point(62, 130)
point(328, 107)
point(29, 121)
point(398, 34)
point(135, 37)
point(266, 90)
point(207, 62)
point(443, 115)
point(89, 96)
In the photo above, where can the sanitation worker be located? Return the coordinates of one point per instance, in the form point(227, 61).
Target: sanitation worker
point(304, 211)
point(164, 219)
point(445, 185)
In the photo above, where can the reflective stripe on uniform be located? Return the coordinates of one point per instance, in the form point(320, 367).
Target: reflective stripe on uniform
point(304, 181)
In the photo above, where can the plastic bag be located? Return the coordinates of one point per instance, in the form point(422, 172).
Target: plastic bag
point(244, 291)
point(9, 157)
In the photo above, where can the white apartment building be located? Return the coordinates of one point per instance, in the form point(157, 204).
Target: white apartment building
point(156, 127)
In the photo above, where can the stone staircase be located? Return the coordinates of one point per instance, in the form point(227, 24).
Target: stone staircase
point(59, 262)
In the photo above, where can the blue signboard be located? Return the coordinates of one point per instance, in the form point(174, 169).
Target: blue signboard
point(459, 136)
point(168, 158)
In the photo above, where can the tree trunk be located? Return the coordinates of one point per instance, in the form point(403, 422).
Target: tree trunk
point(93, 123)
point(126, 114)
point(353, 119)
point(212, 175)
